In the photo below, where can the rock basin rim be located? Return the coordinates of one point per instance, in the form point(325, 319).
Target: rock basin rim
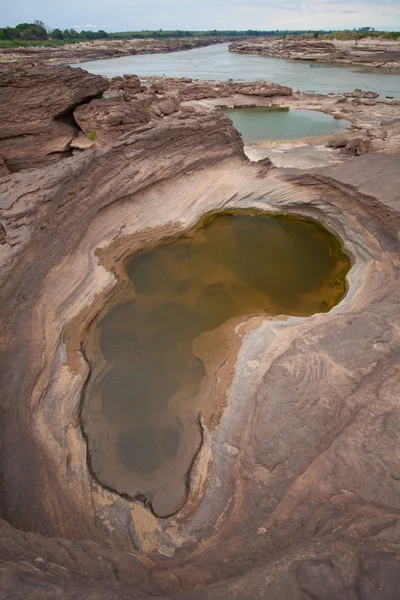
point(124, 292)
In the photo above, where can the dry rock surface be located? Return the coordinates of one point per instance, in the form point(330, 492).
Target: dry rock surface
point(295, 493)
point(97, 49)
point(370, 52)
point(37, 103)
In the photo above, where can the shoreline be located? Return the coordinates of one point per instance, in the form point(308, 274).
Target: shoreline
point(370, 52)
point(328, 52)
point(102, 49)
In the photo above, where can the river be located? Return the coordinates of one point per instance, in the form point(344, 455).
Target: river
point(216, 62)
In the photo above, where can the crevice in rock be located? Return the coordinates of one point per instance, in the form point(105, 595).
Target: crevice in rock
point(70, 109)
point(67, 119)
point(3, 235)
point(62, 153)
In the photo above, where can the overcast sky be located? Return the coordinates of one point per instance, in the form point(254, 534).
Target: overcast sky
point(130, 15)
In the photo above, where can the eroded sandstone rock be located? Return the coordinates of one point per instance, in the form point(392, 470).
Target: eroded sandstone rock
point(264, 89)
point(97, 49)
point(36, 105)
point(372, 52)
point(189, 89)
point(105, 120)
point(361, 94)
point(313, 483)
point(295, 493)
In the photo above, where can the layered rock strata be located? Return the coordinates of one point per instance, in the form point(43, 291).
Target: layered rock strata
point(294, 494)
point(370, 52)
point(97, 49)
point(49, 113)
point(37, 125)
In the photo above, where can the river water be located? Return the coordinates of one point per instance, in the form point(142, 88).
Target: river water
point(216, 62)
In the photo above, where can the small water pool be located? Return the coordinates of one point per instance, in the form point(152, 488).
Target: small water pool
point(149, 348)
point(262, 124)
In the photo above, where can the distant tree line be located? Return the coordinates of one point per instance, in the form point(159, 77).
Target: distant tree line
point(212, 33)
point(37, 33)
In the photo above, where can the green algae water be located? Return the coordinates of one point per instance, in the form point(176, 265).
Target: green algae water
point(141, 411)
point(261, 124)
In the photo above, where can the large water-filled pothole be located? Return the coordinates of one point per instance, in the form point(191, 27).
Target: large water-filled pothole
point(261, 124)
point(155, 343)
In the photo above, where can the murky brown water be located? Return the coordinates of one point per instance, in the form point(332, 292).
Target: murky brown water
point(144, 396)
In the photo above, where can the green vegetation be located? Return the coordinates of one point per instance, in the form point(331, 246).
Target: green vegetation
point(230, 34)
point(91, 136)
point(25, 31)
point(391, 35)
point(360, 33)
point(37, 34)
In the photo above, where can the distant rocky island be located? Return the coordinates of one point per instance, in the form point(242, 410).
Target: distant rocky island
point(98, 49)
point(293, 488)
point(371, 52)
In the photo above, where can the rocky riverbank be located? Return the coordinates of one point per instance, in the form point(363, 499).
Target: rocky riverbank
point(370, 52)
point(98, 49)
point(374, 127)
point(63, 112)
point(295, 490)
point(52, 113)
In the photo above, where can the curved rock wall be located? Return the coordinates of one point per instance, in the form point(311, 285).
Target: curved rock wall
point(302, 465)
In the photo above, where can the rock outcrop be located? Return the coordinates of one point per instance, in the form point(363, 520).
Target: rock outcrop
point(264, 89)
point(106, 120)
point(371, 52)
point(36, 104)
point(295, 491)
point(48, 111)
point(361, 94)
point(188, 89)
point(97, 49)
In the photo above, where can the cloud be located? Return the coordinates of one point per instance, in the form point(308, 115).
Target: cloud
point(94, 27)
